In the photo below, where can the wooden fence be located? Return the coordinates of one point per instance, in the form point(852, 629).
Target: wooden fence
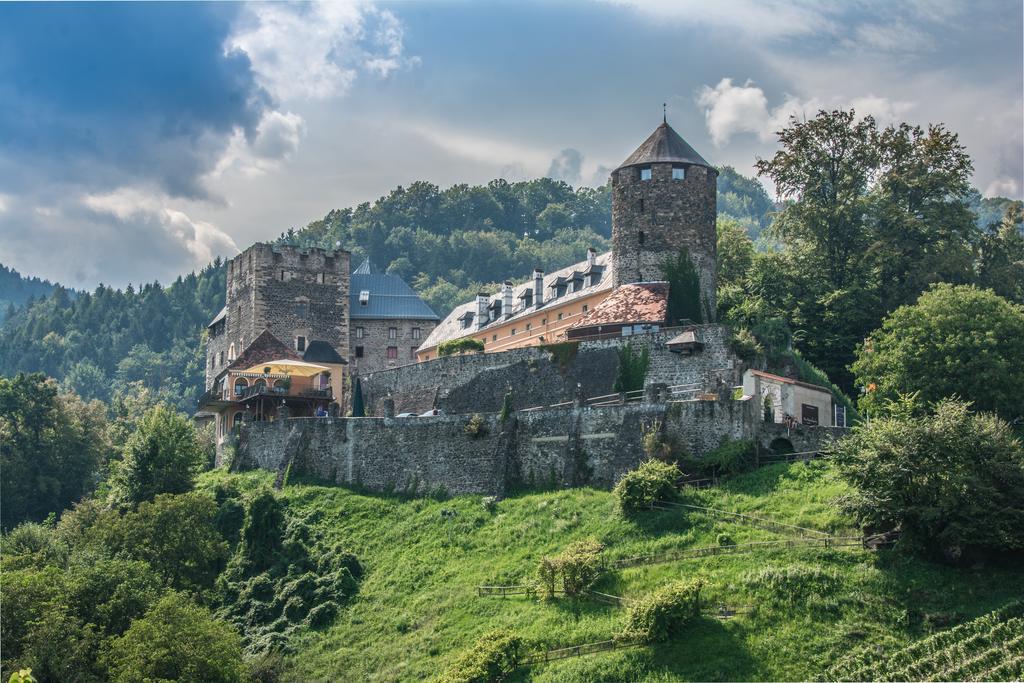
point(579, 650)
point(761, 522)
point(715, 550)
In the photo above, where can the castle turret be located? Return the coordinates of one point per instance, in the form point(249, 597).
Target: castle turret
point(664, 200)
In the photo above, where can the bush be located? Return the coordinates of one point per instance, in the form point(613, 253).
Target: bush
point(649, 483)
point(578, 566)
point(745, 345)
point(662, 615)
point(725, 540)
point(493, 657)
point(951, 480)
point(730, 458)
point(464, 345)
point(476, 427)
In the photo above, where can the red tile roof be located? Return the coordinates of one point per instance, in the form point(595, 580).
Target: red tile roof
point(643, 302)
point(263, 349)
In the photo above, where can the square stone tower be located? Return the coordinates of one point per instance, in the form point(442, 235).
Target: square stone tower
point(300, 295)
point(664, 198)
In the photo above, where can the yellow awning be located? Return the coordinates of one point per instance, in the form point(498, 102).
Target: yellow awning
point(297, 368)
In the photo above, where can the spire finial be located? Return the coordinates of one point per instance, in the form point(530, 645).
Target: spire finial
point(664, 114)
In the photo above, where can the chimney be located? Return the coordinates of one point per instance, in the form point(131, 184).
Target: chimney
point(481, 309)
point(506, 298)
point(591, 256)
point(538, 287)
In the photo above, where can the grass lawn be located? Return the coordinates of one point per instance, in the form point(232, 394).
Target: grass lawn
point(417, 606)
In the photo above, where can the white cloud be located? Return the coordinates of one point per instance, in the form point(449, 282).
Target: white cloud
point(5, 202)
point(492, 151)
point(202, 240)
point(736, 109)
point(567, 166)
point(1003, 187)
point(276, 139)
point(316, 50)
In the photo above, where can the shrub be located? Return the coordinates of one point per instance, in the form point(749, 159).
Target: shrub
point(649, 483)
point(745, 345)
point(950, 480)
point(579, 566)
point(632, 369)
point(725, 540)
point(662, 615)
point(730, 458)
point(493, 657)
point(464, 345)
point(476, 427)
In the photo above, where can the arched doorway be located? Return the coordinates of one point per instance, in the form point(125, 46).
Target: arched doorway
point(781, 446)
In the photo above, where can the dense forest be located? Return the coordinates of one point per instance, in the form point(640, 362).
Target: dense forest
point(16, 290)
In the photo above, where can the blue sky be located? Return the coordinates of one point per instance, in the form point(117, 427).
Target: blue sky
point(138, 141)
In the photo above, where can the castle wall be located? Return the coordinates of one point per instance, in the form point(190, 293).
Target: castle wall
point(653, 219)
point(550, 448)
point(539, 376)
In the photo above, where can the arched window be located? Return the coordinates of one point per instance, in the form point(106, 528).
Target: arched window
point(236, 419)
point(769, 409)
point(231, 352)
point(280, 386)
point(241, 384)
point(260, 385)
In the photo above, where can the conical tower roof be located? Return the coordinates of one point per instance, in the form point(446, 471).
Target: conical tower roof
point(664, 146)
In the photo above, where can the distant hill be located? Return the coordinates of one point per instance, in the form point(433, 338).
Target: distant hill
point(16, 289)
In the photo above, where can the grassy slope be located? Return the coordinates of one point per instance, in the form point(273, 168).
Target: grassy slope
point(417, 606)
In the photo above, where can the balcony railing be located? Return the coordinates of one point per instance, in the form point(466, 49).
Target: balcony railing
point(284, 392)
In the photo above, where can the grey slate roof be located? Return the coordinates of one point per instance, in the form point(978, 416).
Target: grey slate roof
point(390, 297)
point(320, 351)
point(451, 328)
point(664, 145)
point(220, 316)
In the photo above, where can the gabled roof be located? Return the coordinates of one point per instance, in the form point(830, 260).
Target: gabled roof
point(390, 297)
point(263, 349)
point(451, 328)
point(789, 380)
point(220, 316)
point(632, 304)
point(319, 351)
point(663, 146)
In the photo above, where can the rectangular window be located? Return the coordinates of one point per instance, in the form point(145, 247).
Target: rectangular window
point(220, 358)
point(544, 321)
point(528, 326)
point(678, 173)
point(808, 414)
point(359, 352)
point(415, 333)
point(840, 416)
point(282, 276)
point(360, 332)
point(392, 333)
point(364, 297)
point(412, 353)
point(392, 353)
point(586, 308)
point(300, 344)
point(513, 332)
point(645, 173)
point(319, 278)
point(301, 310)
point(494, 337)
point(559, 316)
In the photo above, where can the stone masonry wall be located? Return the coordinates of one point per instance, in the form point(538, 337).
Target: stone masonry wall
point(376, 338)
point(653, 219)
point(550, 448)
point(538, 376)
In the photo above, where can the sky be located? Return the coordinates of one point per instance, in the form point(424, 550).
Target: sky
point(140, 141)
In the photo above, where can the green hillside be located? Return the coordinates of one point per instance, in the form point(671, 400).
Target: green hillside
point(799, 610)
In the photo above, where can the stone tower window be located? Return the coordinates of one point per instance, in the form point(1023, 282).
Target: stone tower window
point(360, 332)
point(392, 333)
point(392, 353)
point(319, 278)
point(300, 344)
point(301, 309)
point(415, 333)
point(678, 173)
point(359, 352)
point(364, 297)
point(641, 237)
point(645, 173)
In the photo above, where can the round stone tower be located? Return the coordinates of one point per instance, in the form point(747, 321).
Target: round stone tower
point(664, 200)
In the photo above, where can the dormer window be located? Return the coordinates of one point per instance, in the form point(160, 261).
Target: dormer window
point(645, 173)
point(678, 173)
point(364, 297)
point(466, 320)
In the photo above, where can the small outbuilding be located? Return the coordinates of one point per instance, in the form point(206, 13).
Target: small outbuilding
point(789, 401)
